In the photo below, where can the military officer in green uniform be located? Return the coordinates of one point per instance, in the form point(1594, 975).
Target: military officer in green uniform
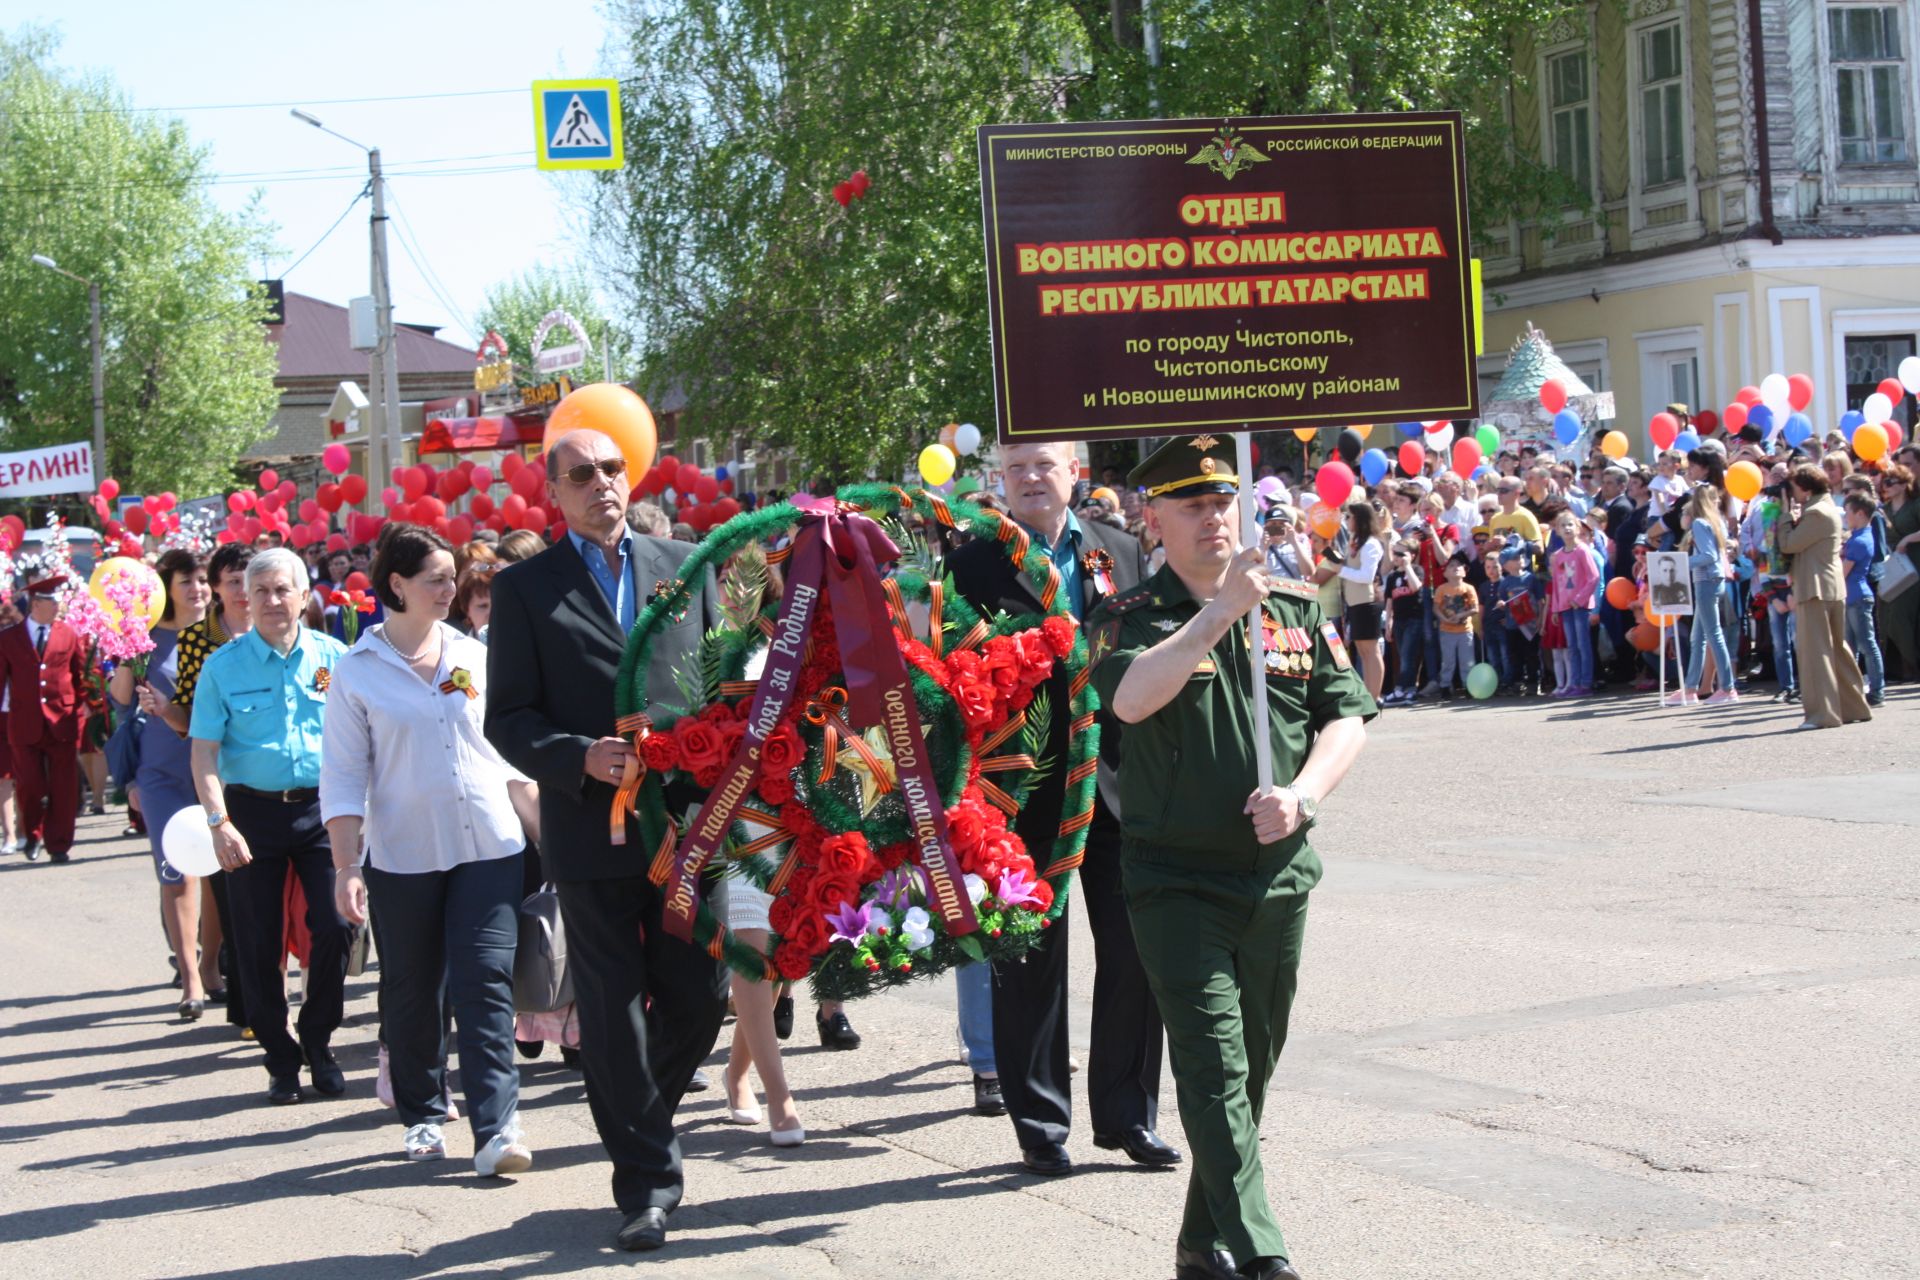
point(1216, 869)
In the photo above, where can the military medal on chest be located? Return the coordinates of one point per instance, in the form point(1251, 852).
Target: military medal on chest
point(1098, 564)
point(1288, 650)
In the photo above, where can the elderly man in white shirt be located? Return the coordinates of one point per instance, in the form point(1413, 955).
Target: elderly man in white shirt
point(405, 765)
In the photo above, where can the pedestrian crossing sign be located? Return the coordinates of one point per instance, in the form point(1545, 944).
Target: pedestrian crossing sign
point(576, 124)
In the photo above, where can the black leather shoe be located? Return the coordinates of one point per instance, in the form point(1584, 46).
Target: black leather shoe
point(61, 856)
point(1269, 1269)
point(836, 1032)
point(699, 1081)
point(645, 1230)
point(783, 1017)
point(283, 1089)
point(1142, 1145)
point(328, 1078)
point(1049, 1161)
point(987, 1098)
point(32, 850)
point(1190, 1264)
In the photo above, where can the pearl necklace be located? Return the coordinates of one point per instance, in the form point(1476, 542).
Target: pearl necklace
point(411, 659)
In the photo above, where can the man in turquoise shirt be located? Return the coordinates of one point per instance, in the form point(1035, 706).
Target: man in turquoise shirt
point(257, 713)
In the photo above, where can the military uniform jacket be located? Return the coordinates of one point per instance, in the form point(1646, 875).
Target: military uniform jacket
point(1188, 769)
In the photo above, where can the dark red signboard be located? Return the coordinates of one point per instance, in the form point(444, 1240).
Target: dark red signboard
point(1153, 277)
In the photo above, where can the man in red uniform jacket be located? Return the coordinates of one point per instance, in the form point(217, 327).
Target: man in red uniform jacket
point(43, 666)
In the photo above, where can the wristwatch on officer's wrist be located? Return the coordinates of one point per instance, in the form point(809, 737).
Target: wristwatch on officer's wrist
point(215, 820)
point(1308, 804)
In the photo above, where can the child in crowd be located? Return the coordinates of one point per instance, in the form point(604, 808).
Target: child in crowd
point(1457, 608)
point(1669, 486)
point(1405, 611)
point(1575, 579)
point(1858, 554)
point(1519, 615)
point(1493, 632)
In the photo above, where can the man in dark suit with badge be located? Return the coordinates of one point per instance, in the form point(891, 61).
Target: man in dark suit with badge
point(1030, 995)
point(1216, 868)
point(650, 1005)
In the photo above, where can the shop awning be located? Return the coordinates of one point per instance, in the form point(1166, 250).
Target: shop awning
point(467, 435)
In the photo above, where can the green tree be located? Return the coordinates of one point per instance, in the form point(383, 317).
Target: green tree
point(189, 370)
point(513, 309)
point(849, 335)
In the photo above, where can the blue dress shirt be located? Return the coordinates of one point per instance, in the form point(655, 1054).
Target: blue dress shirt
point(617, 587)
point(266, 711)
point(1066, 559)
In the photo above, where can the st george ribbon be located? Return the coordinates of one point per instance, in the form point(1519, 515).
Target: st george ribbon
point(836, 553)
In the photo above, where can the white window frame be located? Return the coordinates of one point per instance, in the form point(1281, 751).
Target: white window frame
point(1841, 172)
point(1658, 348)
point(1639, 195)
point(1846, 324)
point(1585, 48)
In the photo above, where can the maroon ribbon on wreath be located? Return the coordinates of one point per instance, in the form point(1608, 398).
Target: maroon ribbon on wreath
point(836, 553)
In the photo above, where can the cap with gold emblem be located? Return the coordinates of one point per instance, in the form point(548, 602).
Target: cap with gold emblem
point(1187, 466)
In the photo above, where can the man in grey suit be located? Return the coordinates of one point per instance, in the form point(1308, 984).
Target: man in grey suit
point(650, 1005)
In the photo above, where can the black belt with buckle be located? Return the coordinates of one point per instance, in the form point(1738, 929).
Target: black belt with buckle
point(292, 795)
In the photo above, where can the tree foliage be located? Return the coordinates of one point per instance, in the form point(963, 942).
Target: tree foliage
point(189, 370)
point(849, 335)
point(514, 307)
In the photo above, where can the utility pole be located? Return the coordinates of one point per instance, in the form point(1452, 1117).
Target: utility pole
point(99, 388)
point(387, 353)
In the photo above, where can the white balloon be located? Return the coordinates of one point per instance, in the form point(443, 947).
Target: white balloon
point(1775, 387)
point(966, 439)
point(1909, 373)
point(1877, 408)
point(187, 842)
point(1440, 441)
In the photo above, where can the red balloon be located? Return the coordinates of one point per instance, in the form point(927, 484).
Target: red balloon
point(557, 530)
point(1748, 396)
point(309, 510)
point(444, 527)
point(859, 182)
point(460, 529)
point(109, 488)
point(1664, 429)
point(497, 522)
point(1894, 435)
point(168, 500)
point(336, 542)
point(1467, 455)
point(335, 458)
point(531, 484)
point(1735, 416)
point(224, 536)
point(1800, 390)
point(302, 535)
point(1334, 483)
point(514, 508)
point(239, 500)
point(686, 477)
point(706, 489)
point(453, 484)
point(1889, 387)
point(357, 581)
point(401, 513)
point(726, 509)
point(481, 477)
point(99, 506)
point(481, 506)
point(415, 481)
point(428, 508)
point(269, 479)
point(389, 497)
point(1412, 457)
point(1706, 422)
point(535, 518)
point(398, 474)
point(287, 490)
point(510, 463)
point(842, 193)
point(1553, 395)
point(137, 519)
point(249, 528)
point(327, 497)
point(353, 489)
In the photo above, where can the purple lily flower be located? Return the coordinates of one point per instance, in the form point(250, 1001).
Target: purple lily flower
point(849, 922)
point(895, 889)
point(1016, 889)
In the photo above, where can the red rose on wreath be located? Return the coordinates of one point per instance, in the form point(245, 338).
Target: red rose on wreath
point(700, 745)
point(893, 856)
point(809, 933)
point(847, 853)
point(792, 962)
point(1002, 663)
point(782, 751)
point(660, 752)
point(975, 698)
point(1060, 633)
point(1036, 658)
point(776, 790)
point(780, 915)
point(964, 664)
point(833, 889)
point(732, 734)
point(966, 828)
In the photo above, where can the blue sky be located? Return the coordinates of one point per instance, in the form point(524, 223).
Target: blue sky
point(472, 229)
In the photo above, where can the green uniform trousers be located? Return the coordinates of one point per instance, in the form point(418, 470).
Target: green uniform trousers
point(1222, 954)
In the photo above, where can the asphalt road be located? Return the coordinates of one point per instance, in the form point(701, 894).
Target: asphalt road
point(1598, 991)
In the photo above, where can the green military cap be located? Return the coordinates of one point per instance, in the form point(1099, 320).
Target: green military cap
point(1187, 466)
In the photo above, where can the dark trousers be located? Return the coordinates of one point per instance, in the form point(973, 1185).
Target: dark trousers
point(1030, 1017)
point(283, 836)
point(46, 778)
point(650, 1007)
point(229, 956)
point(446, 941)
point(1410, 638)
point(1222, 949)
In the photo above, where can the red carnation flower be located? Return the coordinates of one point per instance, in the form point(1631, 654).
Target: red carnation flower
point(964, 664)
point(975, 699)
point(1060, 633)
point(780, 915)
point(660, 752)
point(792, 962)
point(1036, 657)
point(776, 790)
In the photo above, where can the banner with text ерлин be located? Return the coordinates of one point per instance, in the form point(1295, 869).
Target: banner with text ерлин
point(1152, 277)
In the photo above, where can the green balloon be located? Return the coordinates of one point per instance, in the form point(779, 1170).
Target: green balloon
point(1482, 680)
point(965, 485)
point(1489, 438)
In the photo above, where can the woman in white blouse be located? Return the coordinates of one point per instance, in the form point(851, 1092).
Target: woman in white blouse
point(427, 820)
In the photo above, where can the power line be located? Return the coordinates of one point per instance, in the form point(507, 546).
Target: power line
point(250, 106)
point(361, 195)
point(270, 177)
point(410, 245)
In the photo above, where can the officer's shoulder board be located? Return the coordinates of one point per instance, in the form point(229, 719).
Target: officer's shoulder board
point(1295, 588)
point(1130, 599)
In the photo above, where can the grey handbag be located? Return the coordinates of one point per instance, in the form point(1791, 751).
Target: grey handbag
point(541, 983)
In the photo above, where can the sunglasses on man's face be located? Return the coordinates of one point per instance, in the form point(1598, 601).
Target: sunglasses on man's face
point(608, 467)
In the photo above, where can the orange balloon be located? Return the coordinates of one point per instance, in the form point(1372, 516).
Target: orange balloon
point(615, 412)
point(1621, 593)
point(1323, 520)
point(1661, 619)
point(1870, 441)
point(1364, 428)
point(1304, 435)
point(1744, 479)
point(1644, 638)
point(948, 432)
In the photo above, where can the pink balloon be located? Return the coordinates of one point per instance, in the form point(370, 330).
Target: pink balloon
point(239, 500)
point(269, 479)
point(335, 458)
point(482, 478)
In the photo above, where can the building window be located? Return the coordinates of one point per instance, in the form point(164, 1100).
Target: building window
point(1569, 107)
point(1869, 75)
point(1872, 357)
point(1663, 150)
point(1683, 380)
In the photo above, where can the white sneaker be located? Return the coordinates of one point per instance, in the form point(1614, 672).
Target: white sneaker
point(503, 1154)
point(424, 1142)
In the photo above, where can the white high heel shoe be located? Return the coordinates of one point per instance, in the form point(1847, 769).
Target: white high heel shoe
point(788, 1137)
point(738, 1115)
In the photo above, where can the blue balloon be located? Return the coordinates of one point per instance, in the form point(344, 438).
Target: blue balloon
point(1686, 441)
point(1798, 428)
point(1411, 430)
point(1374, 466)
point(1566, 426)
point(1484, 472)
point(1850, 421)
point(720, 473)
point(1760, 418)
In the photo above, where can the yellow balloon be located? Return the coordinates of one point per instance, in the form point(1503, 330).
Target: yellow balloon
point(1744, 480)
point(1305, 435)
point(937, 464)
point(1870, 441)
point(117, 569)
point(1614, 444)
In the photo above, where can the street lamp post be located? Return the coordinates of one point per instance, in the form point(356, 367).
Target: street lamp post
point(99, 367)
point(387, 351)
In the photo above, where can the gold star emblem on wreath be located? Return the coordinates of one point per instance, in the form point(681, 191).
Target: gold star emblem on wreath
point(873, 783)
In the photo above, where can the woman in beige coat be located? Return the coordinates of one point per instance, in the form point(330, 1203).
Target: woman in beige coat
point(1831, 690)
